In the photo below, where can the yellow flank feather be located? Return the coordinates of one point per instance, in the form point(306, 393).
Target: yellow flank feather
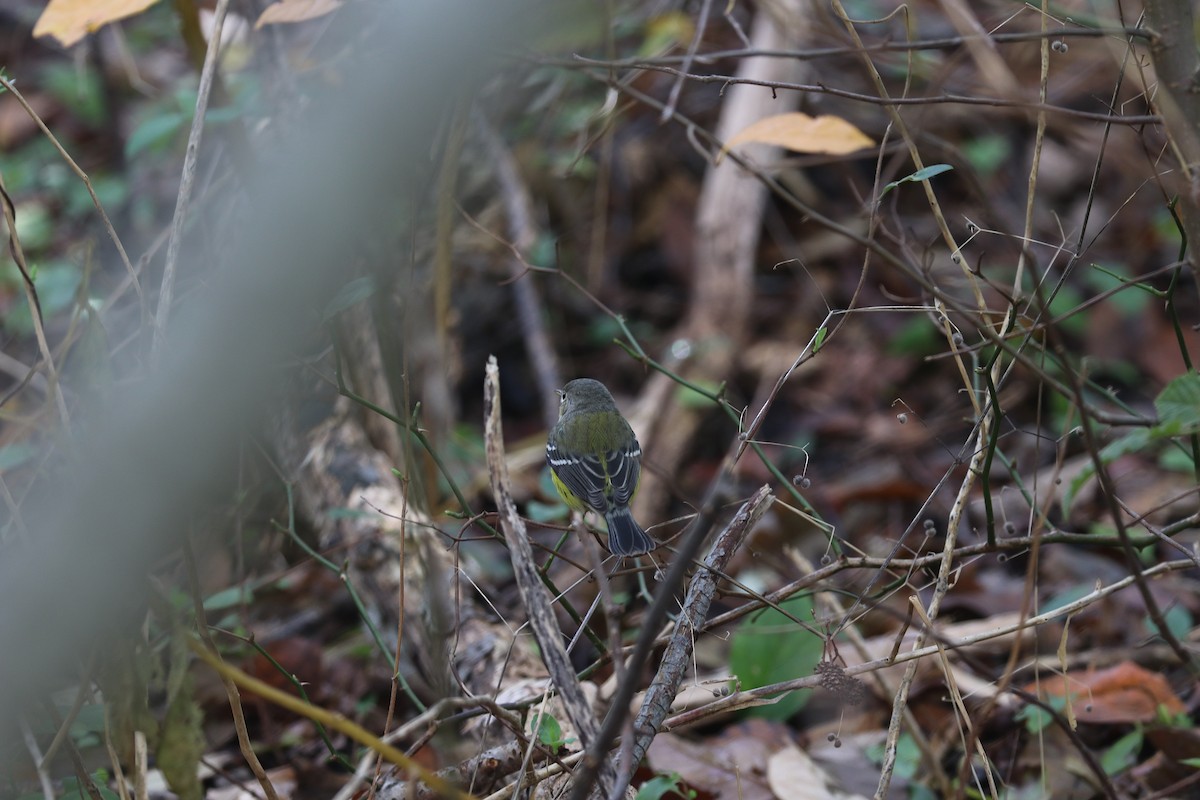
point(566, 494)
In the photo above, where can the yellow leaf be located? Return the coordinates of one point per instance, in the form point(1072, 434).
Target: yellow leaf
point(296, 11)
point(71, 20)
point(804, 134)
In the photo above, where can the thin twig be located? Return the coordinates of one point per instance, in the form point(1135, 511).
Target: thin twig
point(35, 755)
point(87, 183)
point(673, 98)
point(183, 199)
point(1133, 120)
point(35, 306)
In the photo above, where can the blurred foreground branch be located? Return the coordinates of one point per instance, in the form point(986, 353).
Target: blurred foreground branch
point(150, 456)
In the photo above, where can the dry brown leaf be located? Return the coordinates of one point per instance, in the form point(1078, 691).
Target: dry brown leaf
point(804, 134)
point(71, 20)
point(287, 11)
point(732, 764)
point(793, 775)
point(1120, 694)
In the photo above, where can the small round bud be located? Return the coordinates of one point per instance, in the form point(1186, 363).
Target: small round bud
point(1002, 558)
point(837, 742)
point(826, 560)
point(830, 737)
point(902, 418)
point(1010, 528)
point(930, 525)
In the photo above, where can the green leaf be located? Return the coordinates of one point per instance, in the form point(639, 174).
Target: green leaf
point(56, 284)
point(988, 153)
point(1178, 406)
point(908, 755)
point(917, 337)
point(90, 719)
point(546, 512)
point(923, 174)
point(155, 133)
point(1175, 459)
point(819, 339)
point(111, 190)
point(1123, 752)
point(35, 226)
point(1034, 717)
point(1131, 442)
point(228, 598)
point(80, 90)
point(1127, 300)
point(661, 785)
point(1172, 719)
point(1179, 622)
point(1067, 304)
point(1037, 718)
point(1066, 597)
point(549, 731)
point(771, 648)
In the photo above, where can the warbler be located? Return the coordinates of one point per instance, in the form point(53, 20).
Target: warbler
point(595, 461)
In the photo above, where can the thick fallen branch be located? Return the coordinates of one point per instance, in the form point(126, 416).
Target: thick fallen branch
point(678, 655)
point(534, 595)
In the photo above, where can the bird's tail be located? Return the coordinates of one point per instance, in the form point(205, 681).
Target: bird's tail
point(625, 536)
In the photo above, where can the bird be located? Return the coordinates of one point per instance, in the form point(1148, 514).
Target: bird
point(595, 462)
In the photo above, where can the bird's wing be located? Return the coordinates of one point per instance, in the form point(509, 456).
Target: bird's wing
point(585, 476)
point(625, 468)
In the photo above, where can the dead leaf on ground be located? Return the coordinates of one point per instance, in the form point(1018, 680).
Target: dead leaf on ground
point(804, 134)
point(1177, 744)
point(793, 775)
point(733, 764)
point(1121, 694)
point(288, 11)
point(756, 760)
point(68, 21)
